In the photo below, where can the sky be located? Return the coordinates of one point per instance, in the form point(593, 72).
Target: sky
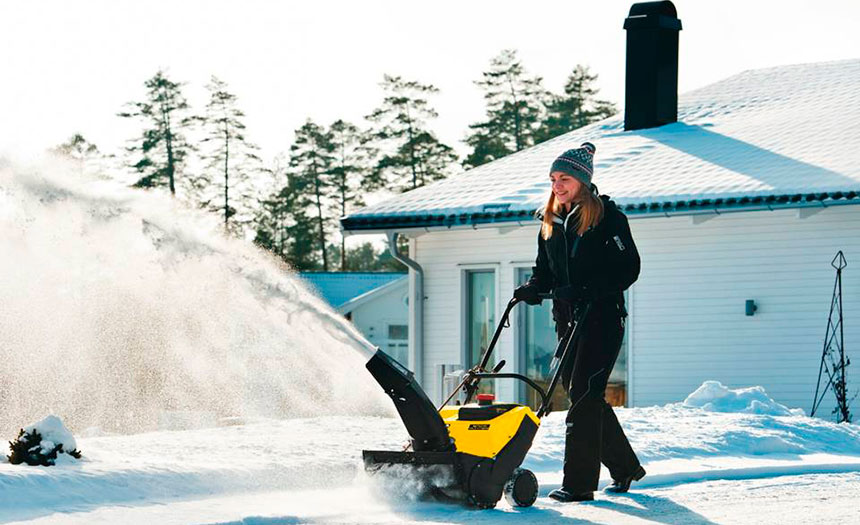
point(70, 66)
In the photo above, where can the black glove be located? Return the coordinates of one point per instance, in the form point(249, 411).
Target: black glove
point(527, 293)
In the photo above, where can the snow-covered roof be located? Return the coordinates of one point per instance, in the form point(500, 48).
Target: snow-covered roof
point(781, 136)
point(339, 288)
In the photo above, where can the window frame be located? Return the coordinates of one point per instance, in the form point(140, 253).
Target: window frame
point(465, 271)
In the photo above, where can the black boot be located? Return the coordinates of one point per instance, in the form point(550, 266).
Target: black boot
point(565, 496)
point(623, 484)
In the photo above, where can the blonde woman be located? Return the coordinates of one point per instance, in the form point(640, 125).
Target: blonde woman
point(586, 255)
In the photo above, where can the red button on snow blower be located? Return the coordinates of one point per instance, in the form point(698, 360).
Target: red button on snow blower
point(486, 399)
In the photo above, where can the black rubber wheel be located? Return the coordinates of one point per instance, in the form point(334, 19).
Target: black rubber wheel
point(521, 490)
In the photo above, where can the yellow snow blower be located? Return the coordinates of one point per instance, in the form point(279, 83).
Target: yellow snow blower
point(469, 453)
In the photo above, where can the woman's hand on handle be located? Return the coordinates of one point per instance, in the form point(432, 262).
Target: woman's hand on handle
point(528, 293)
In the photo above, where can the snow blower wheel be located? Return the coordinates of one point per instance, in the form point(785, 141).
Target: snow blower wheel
point(521, 490)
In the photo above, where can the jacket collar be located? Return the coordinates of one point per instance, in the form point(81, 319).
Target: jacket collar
point(563, 218)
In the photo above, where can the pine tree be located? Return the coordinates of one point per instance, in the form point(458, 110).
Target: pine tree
point(231, 159)
point(284, 228)
point(487, 145)
point(79, 150)
point(414, 155)
point(162, 146)
point(577, 107)
point(282, 224)
point(368, 258)
point(311, 162)
point(515, 108)
point(351, 174)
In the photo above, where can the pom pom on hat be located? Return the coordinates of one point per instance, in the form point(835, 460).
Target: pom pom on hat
point(589, 147)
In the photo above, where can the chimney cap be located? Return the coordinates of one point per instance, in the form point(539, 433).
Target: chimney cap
point(653, 15)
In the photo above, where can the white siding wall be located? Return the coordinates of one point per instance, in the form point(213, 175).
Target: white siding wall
point(373, 317)
point(689, 322)
point(687, 308)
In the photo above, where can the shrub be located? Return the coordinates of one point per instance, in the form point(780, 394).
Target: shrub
point(29, 448)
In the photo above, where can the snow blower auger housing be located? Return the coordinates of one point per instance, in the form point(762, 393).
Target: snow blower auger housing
point(472, 452)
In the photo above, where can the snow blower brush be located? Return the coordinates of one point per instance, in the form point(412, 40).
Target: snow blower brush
point(469, 453)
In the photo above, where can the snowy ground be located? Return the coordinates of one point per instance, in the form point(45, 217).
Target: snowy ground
point(703, 467)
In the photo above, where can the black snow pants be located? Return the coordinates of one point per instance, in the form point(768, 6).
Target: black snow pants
point(593, 434)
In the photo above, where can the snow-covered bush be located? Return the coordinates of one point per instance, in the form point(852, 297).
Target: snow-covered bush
point(40, 443)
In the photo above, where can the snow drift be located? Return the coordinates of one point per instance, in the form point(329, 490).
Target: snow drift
point(124, 311)
point(715, 397)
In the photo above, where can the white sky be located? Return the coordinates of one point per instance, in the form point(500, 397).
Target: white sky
point(69, 67)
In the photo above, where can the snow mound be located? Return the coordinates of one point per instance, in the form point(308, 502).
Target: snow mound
point(53, 433)
point(713, 396)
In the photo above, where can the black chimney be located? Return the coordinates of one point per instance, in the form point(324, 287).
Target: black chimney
point(651, 97)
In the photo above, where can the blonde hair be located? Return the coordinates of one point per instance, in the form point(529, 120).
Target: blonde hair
point(588, 214)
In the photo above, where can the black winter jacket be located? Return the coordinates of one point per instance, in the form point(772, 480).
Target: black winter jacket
point(603, 262)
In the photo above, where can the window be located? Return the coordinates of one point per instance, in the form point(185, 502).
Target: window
point(480, 319)
point(398, 331)
point(397, 345)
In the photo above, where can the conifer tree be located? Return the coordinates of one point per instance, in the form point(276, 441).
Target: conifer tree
point(162, 147)
point(231, 159)
point(515, 108)
point(368, 258)
point(413, 156)
point(79, 150)
point(311, 162)
point(284, 228)
point(351, 174)
point(576, 107)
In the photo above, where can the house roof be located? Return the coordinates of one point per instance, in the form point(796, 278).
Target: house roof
point(765, 138)
point(339, 288)
point(398, 284)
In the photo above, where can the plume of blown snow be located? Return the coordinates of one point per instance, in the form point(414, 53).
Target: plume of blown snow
point(121, 307)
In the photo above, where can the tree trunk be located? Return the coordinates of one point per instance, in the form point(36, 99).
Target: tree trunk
point(412, 161)
point(320, 214)
point(226, 175)
point(517, 141)
point(168, 141)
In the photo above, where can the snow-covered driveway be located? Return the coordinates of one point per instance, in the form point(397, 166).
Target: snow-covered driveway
point(807, 498)
point(703, 466)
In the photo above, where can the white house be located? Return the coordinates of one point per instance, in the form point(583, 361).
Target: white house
point(747, 196)
point(375, 302)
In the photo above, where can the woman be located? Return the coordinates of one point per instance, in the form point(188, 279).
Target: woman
point(586, 255)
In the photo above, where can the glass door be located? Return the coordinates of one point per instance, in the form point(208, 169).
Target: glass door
point(480, 318)
point(537, 342)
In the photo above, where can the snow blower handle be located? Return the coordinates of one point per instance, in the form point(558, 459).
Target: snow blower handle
point(562, 354)
point(470, 381)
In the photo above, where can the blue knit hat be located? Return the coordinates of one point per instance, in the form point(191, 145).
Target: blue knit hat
point(577, 162)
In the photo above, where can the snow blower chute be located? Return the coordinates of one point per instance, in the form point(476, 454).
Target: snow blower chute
point(472, 452)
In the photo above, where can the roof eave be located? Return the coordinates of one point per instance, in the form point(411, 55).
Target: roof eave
point(436, 222)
